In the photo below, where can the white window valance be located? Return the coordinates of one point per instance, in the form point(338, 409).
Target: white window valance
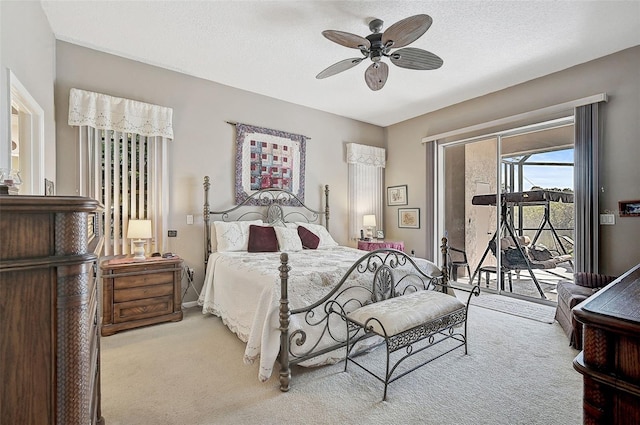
point(106, 112)
point(365, 155)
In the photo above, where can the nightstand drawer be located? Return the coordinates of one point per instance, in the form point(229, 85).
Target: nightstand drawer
point(142, 309)
point(142, 292)
point(143, 280)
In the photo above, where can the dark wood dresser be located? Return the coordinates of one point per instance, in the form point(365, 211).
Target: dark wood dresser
point(610, 360)
point(140, 293)
point(49, 317)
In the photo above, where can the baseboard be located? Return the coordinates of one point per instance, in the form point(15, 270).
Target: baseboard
point(190, 304)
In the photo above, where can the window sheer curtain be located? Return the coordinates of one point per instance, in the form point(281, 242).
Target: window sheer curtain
point(366, 185)
point(587, 183)
point(122, 163)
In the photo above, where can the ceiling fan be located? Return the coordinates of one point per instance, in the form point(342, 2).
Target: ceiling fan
point(378, 44)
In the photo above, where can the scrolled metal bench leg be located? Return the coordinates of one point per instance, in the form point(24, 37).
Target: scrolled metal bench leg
point(386, 379)
point(346, 358)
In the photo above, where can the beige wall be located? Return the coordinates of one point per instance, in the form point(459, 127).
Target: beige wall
point(27, 48)
point(204, 143)
point(616, 75)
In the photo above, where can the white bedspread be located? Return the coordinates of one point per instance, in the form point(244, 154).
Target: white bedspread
point(243, 289)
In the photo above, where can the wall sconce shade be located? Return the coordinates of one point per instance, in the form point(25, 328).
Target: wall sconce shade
point(139, 230)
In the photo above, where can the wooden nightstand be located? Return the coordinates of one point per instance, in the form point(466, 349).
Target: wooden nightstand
point(140, 293)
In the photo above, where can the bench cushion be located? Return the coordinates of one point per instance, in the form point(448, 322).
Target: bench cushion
point(406, 311)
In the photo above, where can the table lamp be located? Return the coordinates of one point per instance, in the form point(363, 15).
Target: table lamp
point(369, 221)
point(138, 231)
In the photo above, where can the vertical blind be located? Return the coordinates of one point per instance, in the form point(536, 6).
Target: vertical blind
point(123, 174)
point(366, 185)
point(123, 163)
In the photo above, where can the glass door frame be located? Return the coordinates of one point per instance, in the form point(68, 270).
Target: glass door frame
point(439, 183)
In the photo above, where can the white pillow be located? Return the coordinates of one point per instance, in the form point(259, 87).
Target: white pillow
point(326, 241)
point(277, 223)
point(233, 235)
point(288, 239)
point(214, 238)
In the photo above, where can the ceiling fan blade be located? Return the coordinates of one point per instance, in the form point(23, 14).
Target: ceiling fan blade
point(413, 58)
point(347, 39)
point(376, 75)
point(407, 30)
point(339, 67)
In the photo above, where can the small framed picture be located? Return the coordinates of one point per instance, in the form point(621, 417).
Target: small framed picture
point(379, 234)
point(48, 188)
point(409, 218)
point(629, 208)
point(397, 195)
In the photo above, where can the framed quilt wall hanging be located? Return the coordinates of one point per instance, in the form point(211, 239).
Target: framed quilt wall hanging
point(268, 158)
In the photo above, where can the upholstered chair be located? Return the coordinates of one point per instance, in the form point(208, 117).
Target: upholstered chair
point(571, 294)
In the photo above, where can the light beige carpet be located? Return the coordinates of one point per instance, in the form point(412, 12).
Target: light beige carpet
point(522, 308)
point(518, 371)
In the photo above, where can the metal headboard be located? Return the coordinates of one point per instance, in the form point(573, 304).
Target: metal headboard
point(269, 208)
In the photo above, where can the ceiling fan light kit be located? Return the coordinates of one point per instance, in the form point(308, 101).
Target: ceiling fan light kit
point(378, 45)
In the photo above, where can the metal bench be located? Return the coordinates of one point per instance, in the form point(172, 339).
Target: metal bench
point(410, 321)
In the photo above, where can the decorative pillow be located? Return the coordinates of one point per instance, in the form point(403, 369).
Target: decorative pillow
point(540, 253)
point(288, 239)
point(514, 258)
point(309, 239)
point(262, 239)
point(326, 241)
point(233, 235)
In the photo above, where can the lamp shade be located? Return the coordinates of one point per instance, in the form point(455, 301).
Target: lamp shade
point(369, 220)
point(139, 229)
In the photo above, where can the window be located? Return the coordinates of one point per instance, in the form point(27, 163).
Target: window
point(366, 176)
point(123, 163)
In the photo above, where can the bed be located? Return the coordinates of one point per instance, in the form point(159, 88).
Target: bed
point(280, 300)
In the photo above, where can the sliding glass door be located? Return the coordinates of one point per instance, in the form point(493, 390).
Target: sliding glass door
point(495, 236)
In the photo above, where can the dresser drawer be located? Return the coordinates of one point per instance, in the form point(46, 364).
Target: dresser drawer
point(142, 292)
point(142, 309)
point(144, 279)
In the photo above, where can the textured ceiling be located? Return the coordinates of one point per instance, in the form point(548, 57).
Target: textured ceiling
point(275, 48)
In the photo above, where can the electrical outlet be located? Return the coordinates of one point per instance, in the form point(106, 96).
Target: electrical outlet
point(190, 273)
point(172, 233)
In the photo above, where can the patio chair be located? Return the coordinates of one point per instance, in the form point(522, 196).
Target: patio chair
point(455, 263)
point(571, 294)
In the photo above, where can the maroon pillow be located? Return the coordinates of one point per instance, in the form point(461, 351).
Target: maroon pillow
point(309, 239)
point(262, 239)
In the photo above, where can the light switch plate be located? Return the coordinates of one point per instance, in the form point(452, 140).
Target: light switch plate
point(607, 219)
point(189, 218)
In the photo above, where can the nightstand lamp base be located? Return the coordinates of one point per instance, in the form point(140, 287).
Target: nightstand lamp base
point(139, 231)
point(138, 250)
